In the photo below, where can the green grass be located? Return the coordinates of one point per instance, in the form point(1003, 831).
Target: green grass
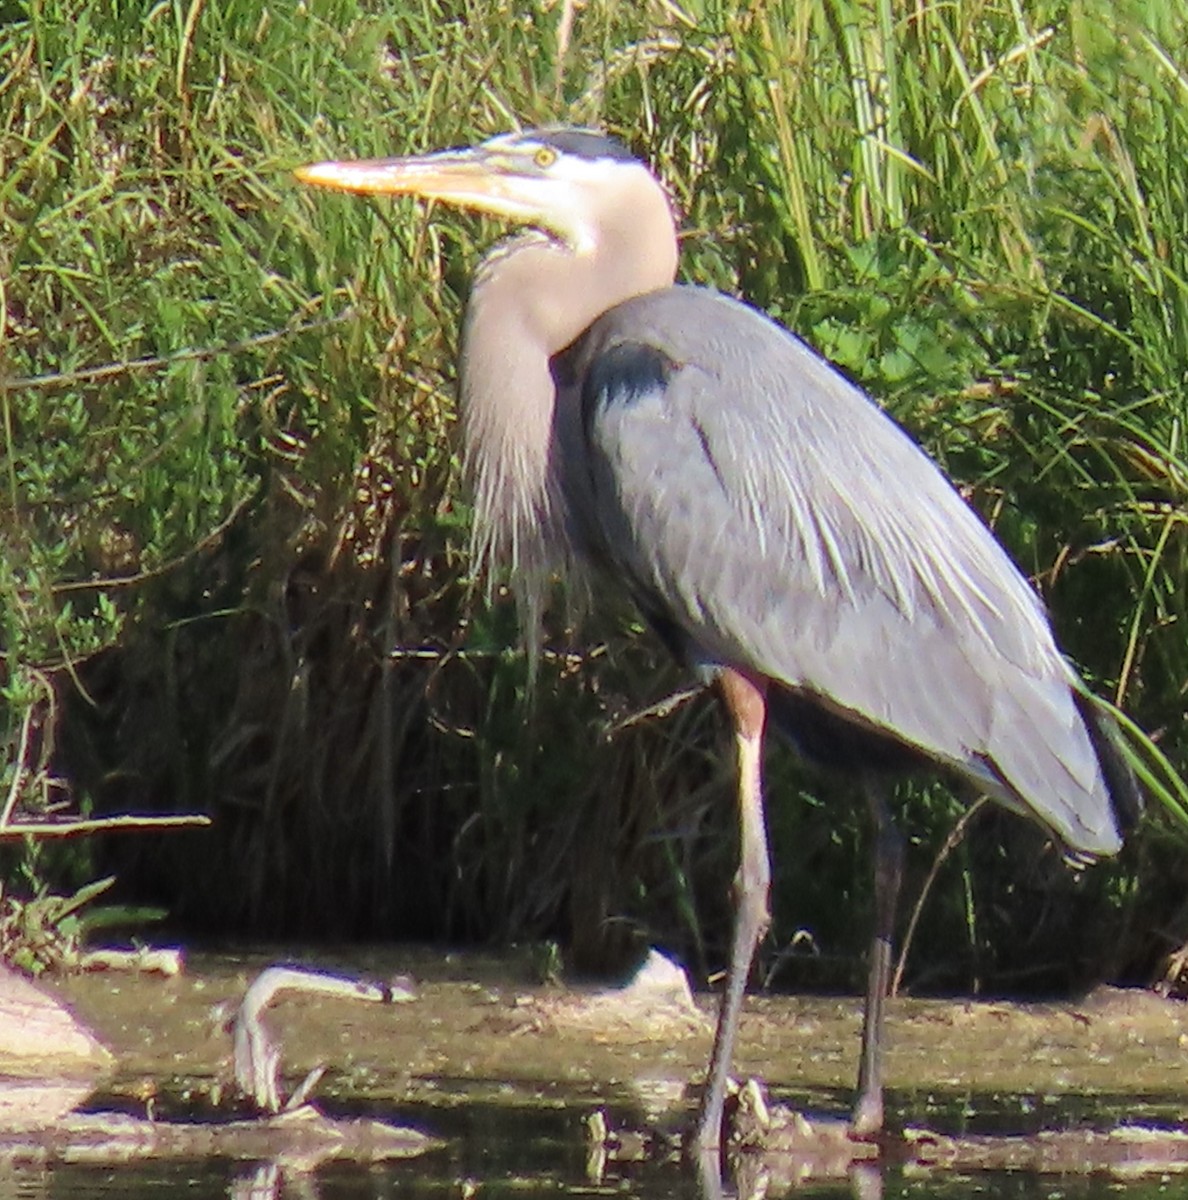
point(232, 537)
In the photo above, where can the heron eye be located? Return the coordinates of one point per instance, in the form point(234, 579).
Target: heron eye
point(545, 157)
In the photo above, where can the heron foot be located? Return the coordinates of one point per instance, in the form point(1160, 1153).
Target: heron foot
point(706, 1136)
point(867, 1121)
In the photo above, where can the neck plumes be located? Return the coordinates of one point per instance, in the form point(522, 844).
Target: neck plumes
point(532, 297)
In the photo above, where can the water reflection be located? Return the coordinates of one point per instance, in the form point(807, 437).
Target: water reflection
point(519, 1149)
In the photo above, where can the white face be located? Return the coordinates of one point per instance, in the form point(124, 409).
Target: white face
point(519, 177)
point(565, 194)
point(577, 201)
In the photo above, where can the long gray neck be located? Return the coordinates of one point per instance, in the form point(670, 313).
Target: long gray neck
point(532, 297)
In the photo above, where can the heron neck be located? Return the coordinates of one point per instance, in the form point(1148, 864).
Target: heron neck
point(533, 297)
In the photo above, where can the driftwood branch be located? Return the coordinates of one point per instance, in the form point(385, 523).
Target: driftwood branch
point(76, 827)
point(257, 1059)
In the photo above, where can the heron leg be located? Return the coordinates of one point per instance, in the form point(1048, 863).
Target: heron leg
point(746, 699)
point(868, 1107)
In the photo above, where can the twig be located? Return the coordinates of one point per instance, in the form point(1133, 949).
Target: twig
point(157, 362)
point(662, 708)
point(123, 581)
point(18, 774)
point(166, 960)
point(117, 824)
point(955, 836)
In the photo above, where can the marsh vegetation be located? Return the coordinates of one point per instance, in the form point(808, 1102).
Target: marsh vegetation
point(233, 571)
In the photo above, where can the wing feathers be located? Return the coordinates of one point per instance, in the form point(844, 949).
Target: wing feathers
point(785, 524)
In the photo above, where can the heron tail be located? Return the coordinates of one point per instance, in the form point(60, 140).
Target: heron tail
point(1119, 777)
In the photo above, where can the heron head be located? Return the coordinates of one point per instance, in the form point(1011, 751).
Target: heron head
point(567, 182)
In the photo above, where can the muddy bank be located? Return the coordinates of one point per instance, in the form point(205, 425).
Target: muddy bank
point(480, 1026)
point(1092, 1087)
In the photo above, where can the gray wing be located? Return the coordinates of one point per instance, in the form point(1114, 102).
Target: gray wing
point(786, 525)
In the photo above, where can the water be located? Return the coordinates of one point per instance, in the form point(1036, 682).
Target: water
point(519, 1150)
point(516, 1152)
point(506, 1074)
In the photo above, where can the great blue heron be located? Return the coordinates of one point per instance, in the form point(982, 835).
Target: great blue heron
point(779, 532)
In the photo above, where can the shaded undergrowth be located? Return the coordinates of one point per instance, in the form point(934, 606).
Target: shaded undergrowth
point(232, 539)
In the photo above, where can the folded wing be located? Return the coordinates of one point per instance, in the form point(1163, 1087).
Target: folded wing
point(777, 520)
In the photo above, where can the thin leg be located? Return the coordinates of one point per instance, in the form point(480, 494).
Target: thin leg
point(746, 701)
point(868, 1107)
